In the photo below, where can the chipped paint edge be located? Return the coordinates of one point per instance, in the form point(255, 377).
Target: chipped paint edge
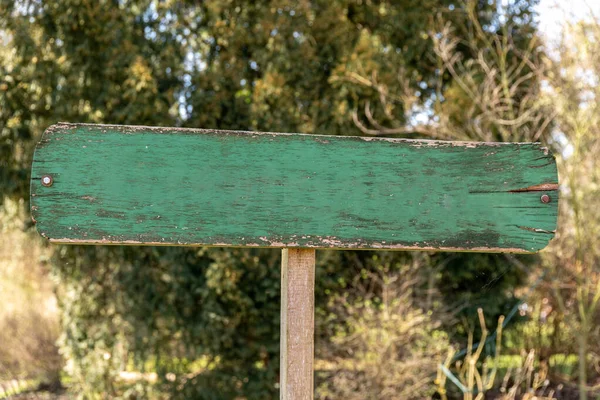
point(280, 245)
point(135, 129)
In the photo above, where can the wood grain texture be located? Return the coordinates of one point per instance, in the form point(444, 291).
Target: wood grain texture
point(297, 324)
point(171, 186)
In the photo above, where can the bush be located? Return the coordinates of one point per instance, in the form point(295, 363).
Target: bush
point(386, 346)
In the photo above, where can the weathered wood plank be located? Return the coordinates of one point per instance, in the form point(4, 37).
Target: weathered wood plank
point(169, 186)
point(297, 324)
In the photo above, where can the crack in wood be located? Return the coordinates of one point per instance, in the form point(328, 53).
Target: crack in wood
point(543, 187)
point(536, 230)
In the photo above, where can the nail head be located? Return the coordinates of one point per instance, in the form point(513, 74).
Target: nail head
point(47, 180)
point(545, 198)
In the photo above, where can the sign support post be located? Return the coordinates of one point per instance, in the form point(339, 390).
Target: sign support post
point(297, 324)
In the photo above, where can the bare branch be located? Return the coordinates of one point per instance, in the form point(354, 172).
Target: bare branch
point(407, 130)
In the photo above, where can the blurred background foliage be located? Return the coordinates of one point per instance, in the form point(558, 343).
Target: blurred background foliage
point(144, 322)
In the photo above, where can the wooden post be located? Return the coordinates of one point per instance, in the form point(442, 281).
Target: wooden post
point(297, 324)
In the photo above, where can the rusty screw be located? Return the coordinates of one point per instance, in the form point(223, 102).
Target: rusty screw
point(47, 180)
point(545, 199)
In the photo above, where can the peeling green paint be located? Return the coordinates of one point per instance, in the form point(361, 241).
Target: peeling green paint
point(171, 186)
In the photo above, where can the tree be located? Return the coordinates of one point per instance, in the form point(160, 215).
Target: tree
point(208, 317)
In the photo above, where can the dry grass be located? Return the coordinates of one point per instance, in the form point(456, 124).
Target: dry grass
point(29, 325)
point(527, 382)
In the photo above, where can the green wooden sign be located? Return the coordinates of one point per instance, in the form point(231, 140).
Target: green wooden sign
point(106, 184)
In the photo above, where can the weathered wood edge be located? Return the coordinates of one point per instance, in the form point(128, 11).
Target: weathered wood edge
point(290, 246)
point(135, 129)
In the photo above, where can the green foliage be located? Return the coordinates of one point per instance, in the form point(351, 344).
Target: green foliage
point(163, 305)
point(305, 67)
point(485, 281)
